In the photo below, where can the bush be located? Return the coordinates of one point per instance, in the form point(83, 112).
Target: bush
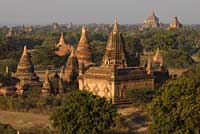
point(32, 103)
point(7, 129)
point(82, 112)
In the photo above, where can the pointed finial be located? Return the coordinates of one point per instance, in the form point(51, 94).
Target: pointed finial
point(25, 48)
point(115, 24)
point(148, 69)
point(72, 51)
point(83, 29)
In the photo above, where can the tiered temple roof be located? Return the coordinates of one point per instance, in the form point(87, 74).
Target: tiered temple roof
point(70, 72)
point(63, 48)
point(83, 50)
point(25, 70)
point(115, 51)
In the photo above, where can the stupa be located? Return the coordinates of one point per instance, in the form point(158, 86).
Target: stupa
point(70, 71)
point(25, 71)
point(84, 50)
point(47, 87)
point(62, 47)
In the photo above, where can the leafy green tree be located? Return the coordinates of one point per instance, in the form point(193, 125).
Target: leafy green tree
point(82, 112)
point(7, 129)
point(176, 109)
point(177, 59)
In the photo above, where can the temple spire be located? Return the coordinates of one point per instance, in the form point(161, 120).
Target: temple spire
point(72, 51)
point(149, 66)
point(62, 40)
point(115, 50)
point(46, 88)
point(115, 25)
point(83, 49)
point(83, 38)
point(158, 58)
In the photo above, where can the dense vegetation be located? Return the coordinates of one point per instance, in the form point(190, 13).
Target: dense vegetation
point(30, 103)
point(7, 129)
point(177, 46)
point(176, 108)
point(82, 112)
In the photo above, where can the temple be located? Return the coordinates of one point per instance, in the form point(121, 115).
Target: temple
point(47, 87)
point(83, 51)
point(151, 22)
point(156, 67)
point(69, 73)
point(25, 72)
point(175, 24)
point(62, 47)
point(114, 76)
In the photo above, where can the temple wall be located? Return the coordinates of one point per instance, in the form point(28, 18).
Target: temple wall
point(100, 87)
point(110, 89)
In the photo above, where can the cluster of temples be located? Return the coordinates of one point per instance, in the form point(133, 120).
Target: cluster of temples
point(111, 79)
point(152, 21)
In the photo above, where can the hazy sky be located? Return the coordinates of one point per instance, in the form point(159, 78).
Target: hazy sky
point(99, 11)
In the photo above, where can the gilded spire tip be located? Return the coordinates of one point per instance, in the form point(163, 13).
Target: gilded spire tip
point(83, 29)
point(115, 24)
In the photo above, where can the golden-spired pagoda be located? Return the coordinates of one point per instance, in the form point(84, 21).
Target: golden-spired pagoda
point(62, 47)
point(84, 52)
point(25, 71)
point(114, 76)
point(70, 71)
point(175, 24)
point(151, 22)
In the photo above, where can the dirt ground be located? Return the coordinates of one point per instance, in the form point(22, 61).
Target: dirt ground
point(133, 120)
point(20, 120)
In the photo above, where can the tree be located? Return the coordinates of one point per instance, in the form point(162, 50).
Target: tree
point(176, 109)
point(7, 129)
point(177, 59)
point(82, 112)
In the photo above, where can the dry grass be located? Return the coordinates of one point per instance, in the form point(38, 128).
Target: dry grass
point(20, 120)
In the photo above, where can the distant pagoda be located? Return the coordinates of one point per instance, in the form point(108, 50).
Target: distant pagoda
point(70, 72)
point(47, 87)
point(25, 71)
point(62, 47)
point(84, 52)
point(175, 24)
point(151, 22)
